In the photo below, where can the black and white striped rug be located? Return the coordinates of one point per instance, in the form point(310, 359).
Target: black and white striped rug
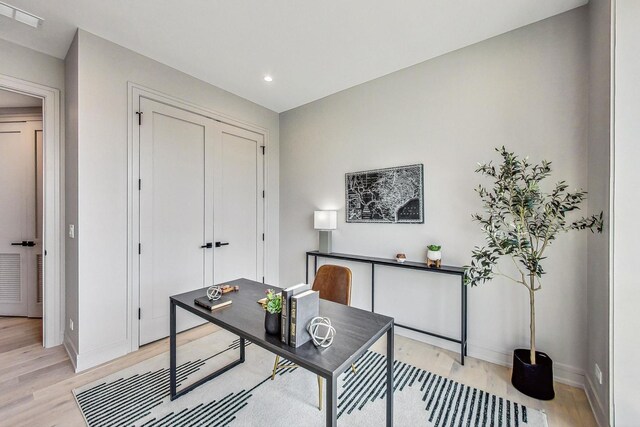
point(246, 396)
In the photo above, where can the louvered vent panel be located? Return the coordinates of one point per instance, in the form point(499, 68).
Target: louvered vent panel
point(39, 261)
point(10, 277)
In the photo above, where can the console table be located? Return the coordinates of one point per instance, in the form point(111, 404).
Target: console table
point(388, 262)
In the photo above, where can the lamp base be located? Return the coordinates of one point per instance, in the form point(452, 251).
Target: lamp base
point(324, 240)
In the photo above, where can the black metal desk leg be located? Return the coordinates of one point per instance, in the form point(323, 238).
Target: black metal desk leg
point(306, 268)
point(172, 350)
point(241, 350)
point(390, 360)
point(332, 402)
point(315, 265)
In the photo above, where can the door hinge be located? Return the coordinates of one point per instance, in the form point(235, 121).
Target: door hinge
point(262, 279)
point(139, 113)
point(139, 184)
point(139, 313)
point(263, 148)
point(139, 248)
point(263, 237)
point(263, 194)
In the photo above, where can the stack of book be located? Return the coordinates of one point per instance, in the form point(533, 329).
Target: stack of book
point(299, 305)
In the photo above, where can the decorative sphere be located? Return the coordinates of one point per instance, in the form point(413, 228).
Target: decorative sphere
point(214, 293)
point(321, 331)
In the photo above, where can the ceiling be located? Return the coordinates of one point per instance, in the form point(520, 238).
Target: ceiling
point(311, 48)
point(15, 100)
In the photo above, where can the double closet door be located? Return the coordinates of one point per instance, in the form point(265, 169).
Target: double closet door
point(201, 209)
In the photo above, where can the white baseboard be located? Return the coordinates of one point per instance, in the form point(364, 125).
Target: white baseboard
point(562, 373)
point(71, 351)
point(98, 356)
point(596, 404)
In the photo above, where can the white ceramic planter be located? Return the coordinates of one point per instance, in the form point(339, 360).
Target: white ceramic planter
point(434, 255)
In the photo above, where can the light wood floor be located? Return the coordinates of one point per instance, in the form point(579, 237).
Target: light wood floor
point(36, 383)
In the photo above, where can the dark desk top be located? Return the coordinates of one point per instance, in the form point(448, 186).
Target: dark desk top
point(391, 262)
point(356, 329)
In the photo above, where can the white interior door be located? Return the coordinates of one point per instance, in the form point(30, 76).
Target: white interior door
point(19, 212)
point(239, 205)
point(176, 212)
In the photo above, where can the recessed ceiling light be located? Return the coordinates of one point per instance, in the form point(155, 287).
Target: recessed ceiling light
point(268, 78)
point(20, 15)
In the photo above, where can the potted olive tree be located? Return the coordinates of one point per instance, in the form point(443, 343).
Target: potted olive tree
point(519, 222)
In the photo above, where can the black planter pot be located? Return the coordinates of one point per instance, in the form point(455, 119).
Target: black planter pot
point(533, 380)
point(272, 323)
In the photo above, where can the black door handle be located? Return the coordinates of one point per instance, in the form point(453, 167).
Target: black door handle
point(207, 246)
point(27, 243)
point(218, 244)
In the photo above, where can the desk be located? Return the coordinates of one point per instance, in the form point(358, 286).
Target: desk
point(388, 262)
point(356, 330)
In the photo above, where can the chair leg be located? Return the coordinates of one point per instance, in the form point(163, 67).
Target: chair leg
point(353, 368)
point(275, 368)
point(319, 393)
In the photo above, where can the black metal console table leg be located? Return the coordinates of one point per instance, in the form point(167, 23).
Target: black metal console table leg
point(463, 320)
point(306, 269)
point(373, 287)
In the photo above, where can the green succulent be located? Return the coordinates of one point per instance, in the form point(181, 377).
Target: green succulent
point(273, 303)
point(434, 248)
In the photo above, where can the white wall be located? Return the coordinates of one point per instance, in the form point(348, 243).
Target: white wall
point(598, 182)
point(626, 180)
point(527, 90)
point(104, 69)
point(71, 201)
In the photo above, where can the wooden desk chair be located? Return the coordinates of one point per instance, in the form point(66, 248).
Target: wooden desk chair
point(334, 284)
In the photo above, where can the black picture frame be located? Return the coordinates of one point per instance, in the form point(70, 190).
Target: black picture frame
point(392, 195)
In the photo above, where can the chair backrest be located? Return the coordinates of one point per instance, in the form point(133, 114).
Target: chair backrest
point(334, 283)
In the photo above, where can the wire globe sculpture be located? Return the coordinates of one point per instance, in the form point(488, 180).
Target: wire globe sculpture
point(321, 331)
point(214, 293)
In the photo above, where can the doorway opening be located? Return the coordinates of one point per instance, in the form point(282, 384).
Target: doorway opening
point(31, 248)
point(21, 207)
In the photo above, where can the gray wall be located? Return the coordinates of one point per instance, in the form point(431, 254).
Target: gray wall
point(71, 200)
point(26, 64)
point(104, 69)
point(527, 90)
point(626, 178)
point(598, 181)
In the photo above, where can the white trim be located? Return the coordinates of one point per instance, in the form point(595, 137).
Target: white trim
point(53, 323)
point(565, 374)
point(71, 352)
point(134, 91)
point(595, 403)
point(101, 355)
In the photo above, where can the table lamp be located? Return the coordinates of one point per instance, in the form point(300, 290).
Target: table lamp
point(325, 221)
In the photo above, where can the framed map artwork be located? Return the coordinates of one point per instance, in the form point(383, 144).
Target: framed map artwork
point(391, 195)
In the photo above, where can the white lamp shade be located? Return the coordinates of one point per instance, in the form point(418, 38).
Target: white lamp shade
point(325, 220)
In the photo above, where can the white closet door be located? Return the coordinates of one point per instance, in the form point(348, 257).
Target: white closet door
point(18, 265)
point(176, 212)
point(239, 205)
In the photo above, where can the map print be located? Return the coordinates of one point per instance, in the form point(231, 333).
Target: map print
point(392, 195)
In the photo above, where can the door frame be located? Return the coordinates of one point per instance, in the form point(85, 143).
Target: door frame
point(134, 91)
point(53, 244)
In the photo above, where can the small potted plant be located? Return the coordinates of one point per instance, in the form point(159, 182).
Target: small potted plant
point(401, 258)
point(272, 307)
point(434, 256)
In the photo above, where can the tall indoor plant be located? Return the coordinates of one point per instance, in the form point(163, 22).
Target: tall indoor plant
point(519, 222)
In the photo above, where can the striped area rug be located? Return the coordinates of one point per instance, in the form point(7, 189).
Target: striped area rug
point(246, 395)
